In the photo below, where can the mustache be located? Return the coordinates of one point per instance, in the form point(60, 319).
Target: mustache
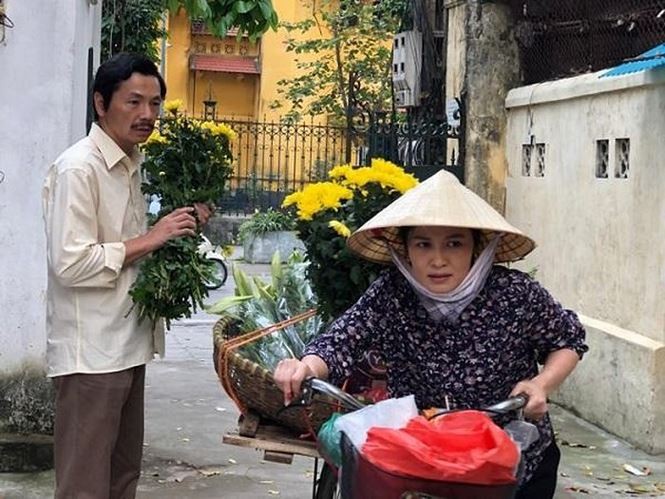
point(144, 123)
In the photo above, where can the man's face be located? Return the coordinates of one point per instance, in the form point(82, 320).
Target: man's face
point(131, 114)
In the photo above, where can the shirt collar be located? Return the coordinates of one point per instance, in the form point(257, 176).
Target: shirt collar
point(111, 152)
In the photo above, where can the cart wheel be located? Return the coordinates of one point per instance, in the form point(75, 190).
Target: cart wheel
point(326, 487)
point(219, 278)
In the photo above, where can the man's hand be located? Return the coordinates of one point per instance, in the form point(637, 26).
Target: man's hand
point(180, 222)
point(204, 212)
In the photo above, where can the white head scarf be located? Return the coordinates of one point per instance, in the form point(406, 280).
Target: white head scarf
point(450, 305)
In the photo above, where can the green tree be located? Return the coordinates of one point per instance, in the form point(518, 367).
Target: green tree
point(348, 68)
point(136, 25)
point(131, 26)
point(251, 17)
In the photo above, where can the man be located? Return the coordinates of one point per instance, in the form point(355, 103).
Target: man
point(96, 232)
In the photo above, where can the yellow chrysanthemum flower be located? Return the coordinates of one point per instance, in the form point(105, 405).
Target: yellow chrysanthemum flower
point(340, 172)
point(318, 197)
point(224, 129)
point(387, 174)
point(173, 106)
point(219, 129)
point(340, 228)
point(156, 137)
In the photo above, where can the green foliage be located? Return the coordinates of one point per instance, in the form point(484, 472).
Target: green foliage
point(251, 17)
point(171, 281)
point(136, 25)
point(187, 162)
point(351, 69)
point(131, 26)
point(258, 304)
point(265, 221)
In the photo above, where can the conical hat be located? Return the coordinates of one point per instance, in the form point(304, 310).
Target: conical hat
point(440, 200)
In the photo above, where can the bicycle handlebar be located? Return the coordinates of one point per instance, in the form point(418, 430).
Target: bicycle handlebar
point(312, 385)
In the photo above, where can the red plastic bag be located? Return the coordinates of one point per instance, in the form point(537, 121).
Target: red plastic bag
point(465, 446)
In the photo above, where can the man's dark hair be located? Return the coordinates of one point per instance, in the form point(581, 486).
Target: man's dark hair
point(120, 68)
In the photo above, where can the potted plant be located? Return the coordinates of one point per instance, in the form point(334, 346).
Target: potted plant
point(267, 232)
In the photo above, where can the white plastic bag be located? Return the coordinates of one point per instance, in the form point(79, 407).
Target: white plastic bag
point(390, 413)
point(522, 433)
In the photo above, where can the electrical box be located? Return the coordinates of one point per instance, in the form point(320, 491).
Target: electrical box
point(407, 64)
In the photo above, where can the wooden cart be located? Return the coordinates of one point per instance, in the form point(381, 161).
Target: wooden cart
point(278, 443)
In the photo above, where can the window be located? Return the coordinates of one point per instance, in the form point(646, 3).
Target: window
point(540, 160)
point(526, 159)
point(602, 157)
point(622, 158)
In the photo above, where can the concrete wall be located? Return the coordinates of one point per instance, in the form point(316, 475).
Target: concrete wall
point(492, 68)
point(43, 93)
point(601, 240)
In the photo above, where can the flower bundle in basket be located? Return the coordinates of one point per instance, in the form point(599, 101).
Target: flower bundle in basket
point(327, 213)
point(261, 324)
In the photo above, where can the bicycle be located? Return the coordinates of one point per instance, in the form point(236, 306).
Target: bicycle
point(328, 487)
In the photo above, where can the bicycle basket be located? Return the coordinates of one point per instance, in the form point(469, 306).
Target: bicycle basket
point(361, 479)
point(251, 386)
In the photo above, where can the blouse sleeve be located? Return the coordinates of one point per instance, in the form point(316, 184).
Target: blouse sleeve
point(350, 336)
point(551, 326)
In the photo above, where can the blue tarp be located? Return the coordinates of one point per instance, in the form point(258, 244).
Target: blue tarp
point(654, 58)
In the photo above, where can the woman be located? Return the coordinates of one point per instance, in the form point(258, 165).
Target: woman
point(451, 325)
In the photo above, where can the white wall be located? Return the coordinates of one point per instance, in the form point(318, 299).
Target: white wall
point(601, 241)
point(43, 92)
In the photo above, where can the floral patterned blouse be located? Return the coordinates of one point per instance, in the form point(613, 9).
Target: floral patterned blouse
point(498, 340)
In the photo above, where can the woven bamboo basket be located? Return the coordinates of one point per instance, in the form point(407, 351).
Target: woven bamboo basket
point(251, 386)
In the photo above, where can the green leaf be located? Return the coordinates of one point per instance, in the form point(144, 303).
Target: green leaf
point(243, 6)
point(227, 304)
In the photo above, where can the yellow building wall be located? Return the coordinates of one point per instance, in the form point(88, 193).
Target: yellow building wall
point(276, 62)
point(237, 95)
point(176, 61)
point(272, 156)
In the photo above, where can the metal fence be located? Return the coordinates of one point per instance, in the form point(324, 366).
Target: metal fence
point(422, 146)
point(560, 38)
point(273, 159)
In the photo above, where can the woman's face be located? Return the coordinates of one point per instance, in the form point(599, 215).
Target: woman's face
point(440, 256)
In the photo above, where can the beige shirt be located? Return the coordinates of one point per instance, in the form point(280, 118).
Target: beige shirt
point(92, 202)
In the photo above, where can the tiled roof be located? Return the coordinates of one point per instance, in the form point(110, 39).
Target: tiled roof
point(224, 64)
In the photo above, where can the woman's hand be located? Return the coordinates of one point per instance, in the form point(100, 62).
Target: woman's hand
point(558, 365)
point(536, 407)
point(290, 373)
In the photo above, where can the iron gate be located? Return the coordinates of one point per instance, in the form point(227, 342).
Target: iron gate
point(273, 159)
